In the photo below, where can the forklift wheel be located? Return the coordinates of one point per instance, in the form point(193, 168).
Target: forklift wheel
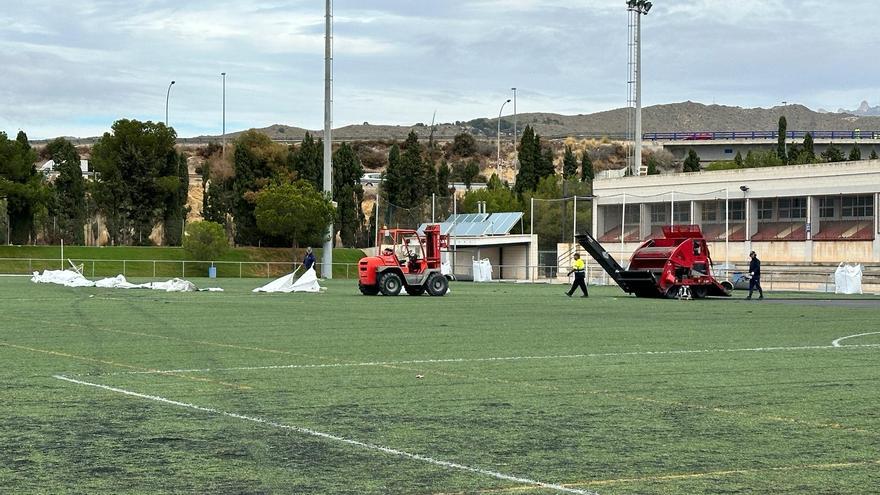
point(414, 290)
point(390, 284)
point(437, 285)
point(368, 290)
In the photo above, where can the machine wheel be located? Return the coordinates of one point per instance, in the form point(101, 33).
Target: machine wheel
point(368, 290)
point(437, 285)
point(727, 286)
point(699, 291)
point(390, 284)
point(672, 292)
point(414, 290)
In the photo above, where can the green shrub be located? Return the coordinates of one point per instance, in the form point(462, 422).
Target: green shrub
point(204, 241)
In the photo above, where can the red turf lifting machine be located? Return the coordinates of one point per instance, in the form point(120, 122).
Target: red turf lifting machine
point(661, 267)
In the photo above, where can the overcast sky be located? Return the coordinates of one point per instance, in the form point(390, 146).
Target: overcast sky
point(74, 67)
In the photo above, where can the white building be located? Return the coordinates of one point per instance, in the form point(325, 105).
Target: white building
point(821, 213)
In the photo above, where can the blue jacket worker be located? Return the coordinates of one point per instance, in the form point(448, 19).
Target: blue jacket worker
point(579, 268)
point(755, 273)
point(309, 260)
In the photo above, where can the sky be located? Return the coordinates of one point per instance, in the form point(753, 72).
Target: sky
point(72, 68)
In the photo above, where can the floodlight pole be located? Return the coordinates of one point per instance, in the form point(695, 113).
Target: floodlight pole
point(672, 208)
point(531, 232)
point(638, 8)
point(223, 150)
point(327, 254)
point(515, 152)
point(726, 229)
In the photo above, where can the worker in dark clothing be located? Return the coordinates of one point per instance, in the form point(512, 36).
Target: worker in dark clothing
point(309, 260)
point(755, 274)
point(579, 268)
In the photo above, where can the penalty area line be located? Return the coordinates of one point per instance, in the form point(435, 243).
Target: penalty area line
point(335, 438)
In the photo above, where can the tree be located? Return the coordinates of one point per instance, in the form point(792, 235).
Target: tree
point(295, 212)
point(204, 241)
point(349, 194)
point(393, 176)
point(692, 162)
point(569, 164)
point(69, 190)
point(409, 190)
point(738, 159)
point(535, 163)
point(652, 165)
point(22, 186)
point(809, 153)
point(548, 220)
point(500, 199)
point(873, 154)
point(833, 154)
point(308, 161)
point(256, 163)
point(443, 174)
point(463, 145)
point(467, 172)
point(587, 173)
point(780, 140)
point(139, 178)
point(855, 154)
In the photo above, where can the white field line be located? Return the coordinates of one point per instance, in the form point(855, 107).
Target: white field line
point(497, 359)
point(335, 438)
point(836, 343)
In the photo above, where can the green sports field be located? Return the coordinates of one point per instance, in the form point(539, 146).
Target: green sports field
point(496, 388)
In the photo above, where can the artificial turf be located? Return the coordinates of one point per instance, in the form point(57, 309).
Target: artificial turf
point(609, 395)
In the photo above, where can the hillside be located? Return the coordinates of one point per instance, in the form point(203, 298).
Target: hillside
point(676, 117)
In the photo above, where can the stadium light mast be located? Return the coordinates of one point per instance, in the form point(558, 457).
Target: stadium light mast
point(636, 8)
point(327, 253)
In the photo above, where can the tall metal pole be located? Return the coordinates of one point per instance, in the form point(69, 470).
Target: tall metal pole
point(167, 97)
point(327, 258)
point(515, 152)
point(637, 152)
point(499, 130)
point(622, 225)
point(726, 229)
point(672, 208)
point(223, 150)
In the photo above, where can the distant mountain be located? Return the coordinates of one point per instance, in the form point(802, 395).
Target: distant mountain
point(864, 110)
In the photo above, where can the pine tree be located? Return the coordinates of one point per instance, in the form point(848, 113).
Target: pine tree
point(587, 173)
point(873, 154)
point(809, 152)
point(692, 162)
point(393, 178)
point(526, 178)
point(546, 168)
point(308, 161)
point(443, 173)
point(855, 154)
point(833, 154)
point(738, 159)
point(410, 190)
point(70, 190)
point(348, 194)
point(780, 140)
point(569, 164)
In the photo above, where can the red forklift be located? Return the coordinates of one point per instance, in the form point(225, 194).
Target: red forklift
point(406, 260)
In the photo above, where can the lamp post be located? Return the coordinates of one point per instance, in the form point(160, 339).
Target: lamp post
point(327, 252)
point(637, 9)
point(515, 152)
point(499, 130)
point(167, 96)
point(223, 151)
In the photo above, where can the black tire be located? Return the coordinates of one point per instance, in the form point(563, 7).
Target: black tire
point(368, 290)
point(699, 291)
point(437, 285)
point(390, 284)
point(672, 292)
point(414, 290)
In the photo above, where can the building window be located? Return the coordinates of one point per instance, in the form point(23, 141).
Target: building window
point(710, 212)
point(728, 151)
point(737, 209)
point(659, 214)
point(792, 208)
point(826, 207)
point(857, 206)
point(632, 214)
point(765, 209)
point(681, 213)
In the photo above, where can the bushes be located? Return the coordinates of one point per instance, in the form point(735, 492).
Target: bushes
point(204, 241)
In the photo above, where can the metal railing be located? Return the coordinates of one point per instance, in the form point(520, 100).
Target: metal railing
point(732, 135)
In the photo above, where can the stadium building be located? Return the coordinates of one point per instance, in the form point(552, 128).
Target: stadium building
point(801, 214)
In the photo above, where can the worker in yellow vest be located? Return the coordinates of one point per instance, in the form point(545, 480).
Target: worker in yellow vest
point(579, 268)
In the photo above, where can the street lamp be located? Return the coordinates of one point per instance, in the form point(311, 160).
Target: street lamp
point(515, 153)
point(223, 151)
point(167, 96)
point(499, 129)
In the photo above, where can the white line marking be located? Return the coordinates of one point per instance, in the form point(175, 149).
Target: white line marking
point(836, 343)
point(493, 359)
point(328, 436)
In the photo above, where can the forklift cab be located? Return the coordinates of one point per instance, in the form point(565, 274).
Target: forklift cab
point(404, 249)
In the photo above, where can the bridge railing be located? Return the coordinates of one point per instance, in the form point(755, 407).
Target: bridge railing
point(732, 135)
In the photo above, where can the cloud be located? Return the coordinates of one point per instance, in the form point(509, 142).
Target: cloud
point(72, 68)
